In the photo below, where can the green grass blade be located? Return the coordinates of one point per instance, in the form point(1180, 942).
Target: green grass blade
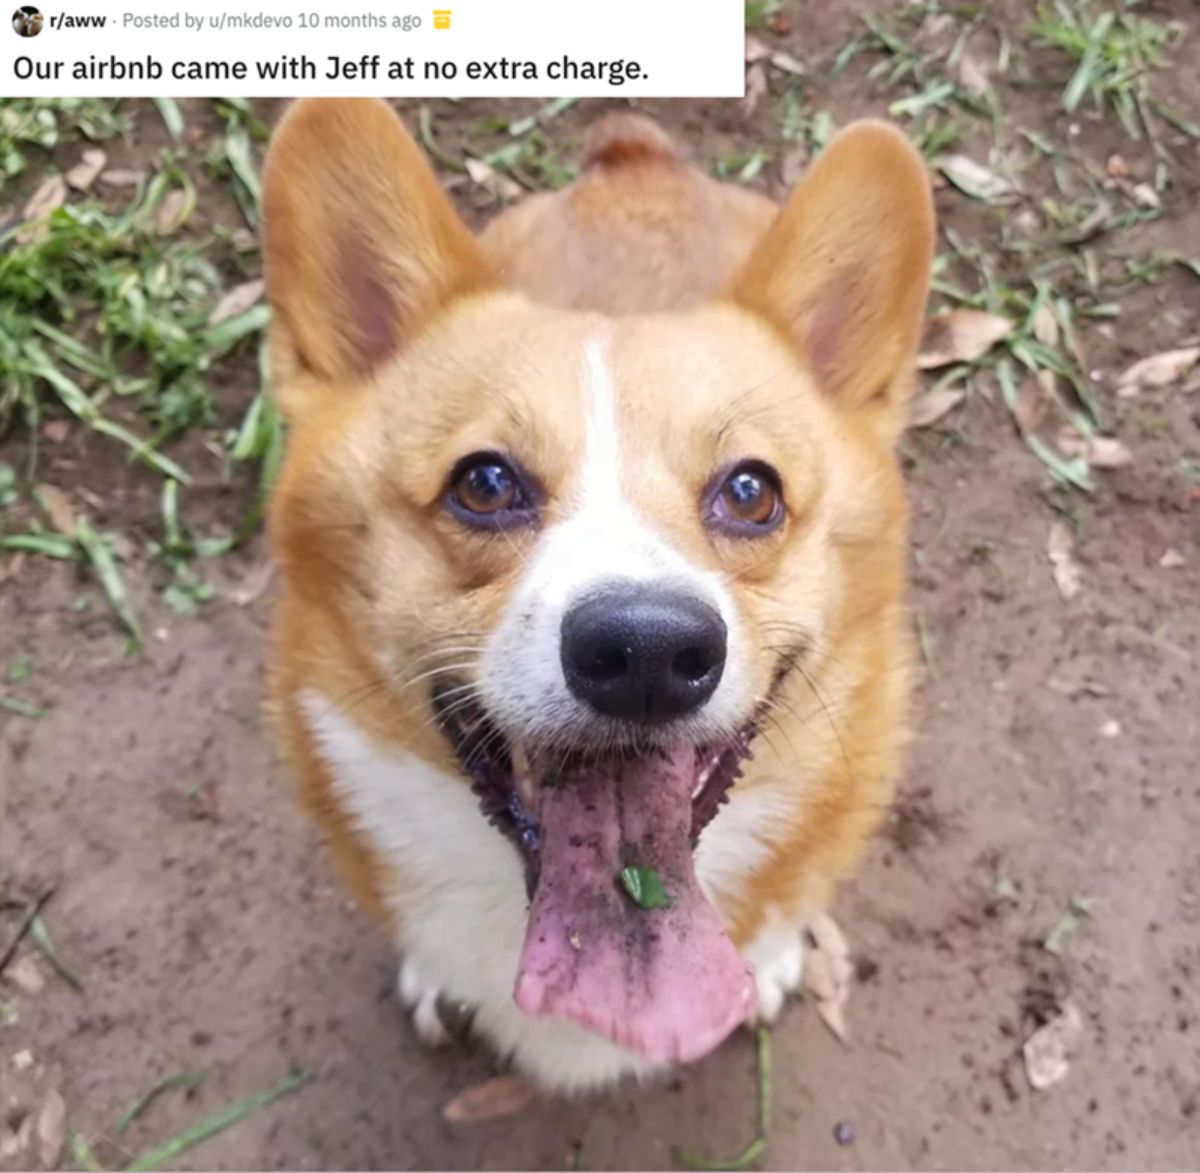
point(227, 334)
point(171, 115)
point(755, 1148)
point(210, 1126)
point(51, 545)
point(186, 1079)
point(21, 708)
point(40, 936)
point(142, 450)
point(100, 555)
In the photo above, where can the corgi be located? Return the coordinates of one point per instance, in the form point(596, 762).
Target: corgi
point(591, 652)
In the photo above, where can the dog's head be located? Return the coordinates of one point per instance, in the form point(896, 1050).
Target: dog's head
point(590, 552)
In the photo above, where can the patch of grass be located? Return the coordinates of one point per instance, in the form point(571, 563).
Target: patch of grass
point(95, 305)
point(232, 159)
point(45, 122)
point(107, 317)
point(929, 76)
point(188, 592)
point(1114, 51)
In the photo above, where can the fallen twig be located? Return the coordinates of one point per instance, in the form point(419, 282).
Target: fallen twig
point(31, 914)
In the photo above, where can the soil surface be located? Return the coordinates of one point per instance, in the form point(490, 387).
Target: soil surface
point(1055, 762)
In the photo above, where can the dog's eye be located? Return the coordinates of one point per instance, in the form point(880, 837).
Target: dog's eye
point(486, 490)
point(749, 500)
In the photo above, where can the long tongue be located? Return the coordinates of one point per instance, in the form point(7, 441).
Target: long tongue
point(664, 982)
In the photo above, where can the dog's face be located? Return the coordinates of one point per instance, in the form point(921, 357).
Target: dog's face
point(570, 544)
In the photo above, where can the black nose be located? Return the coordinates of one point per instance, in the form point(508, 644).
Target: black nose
point(643, 655)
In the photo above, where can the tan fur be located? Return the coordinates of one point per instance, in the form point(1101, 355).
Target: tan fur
point(402, 344)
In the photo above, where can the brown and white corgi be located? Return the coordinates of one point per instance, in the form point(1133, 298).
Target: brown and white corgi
point(592, 654)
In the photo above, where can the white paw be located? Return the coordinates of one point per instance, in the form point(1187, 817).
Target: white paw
point(777, 955)
point(420, 996)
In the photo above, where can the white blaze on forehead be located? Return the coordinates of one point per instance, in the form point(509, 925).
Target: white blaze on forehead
point(602, 540)
point(601, 475)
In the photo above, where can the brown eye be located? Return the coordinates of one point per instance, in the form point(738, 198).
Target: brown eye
point(486, 488)
point(486, 491)
point(749, 500)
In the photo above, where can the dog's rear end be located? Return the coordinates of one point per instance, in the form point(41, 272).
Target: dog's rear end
point(592, 654)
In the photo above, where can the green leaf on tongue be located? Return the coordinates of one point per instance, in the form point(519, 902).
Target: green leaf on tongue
point(644, 887)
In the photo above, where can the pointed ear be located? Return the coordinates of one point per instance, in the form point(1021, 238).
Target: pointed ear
point(361, 246)
point(844, 269)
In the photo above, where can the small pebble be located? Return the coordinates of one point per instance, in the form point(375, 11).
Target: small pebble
point(843, 1132)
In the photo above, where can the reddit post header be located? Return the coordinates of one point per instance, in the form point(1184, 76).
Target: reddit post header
point(394, 48)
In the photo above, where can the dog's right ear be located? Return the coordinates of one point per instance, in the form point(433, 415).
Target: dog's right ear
point(361, 246)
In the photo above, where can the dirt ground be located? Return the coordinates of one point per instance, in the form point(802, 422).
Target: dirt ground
point(1055, 762)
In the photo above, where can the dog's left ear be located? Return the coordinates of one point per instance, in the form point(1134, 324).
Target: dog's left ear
point(361, 246)
point(844, 269)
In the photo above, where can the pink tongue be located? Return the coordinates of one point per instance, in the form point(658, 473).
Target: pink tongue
point(664, 982)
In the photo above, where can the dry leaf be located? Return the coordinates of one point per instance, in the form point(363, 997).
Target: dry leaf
point(487, 177)
point(1045, 327)
point(171, 211)
point(122, 177)
point(51, 1128)
point(25, 976)
point(1048, 1050)
point(256, 585)
point(1033, 402)
point(978, 181)
point(11, 568)
point(14, 1142)
point(828, 972)
point(505, 1095)
point(52, 194)
point(1146, 197)
point(930, 407)
point(973, 76)
point(1060, 549)
point(58, 508)
point(1107, 452)
point(793, 164)
point(84, 173)
point(786, 63)
point(1158, 370)
point(961, 335)
point(1099, 451)
point(237, 301)
point(756, 49)
point(56, 431)
point(756, 88)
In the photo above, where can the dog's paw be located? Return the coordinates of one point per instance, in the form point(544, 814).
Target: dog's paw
point(420, 996)
point(777, 955)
